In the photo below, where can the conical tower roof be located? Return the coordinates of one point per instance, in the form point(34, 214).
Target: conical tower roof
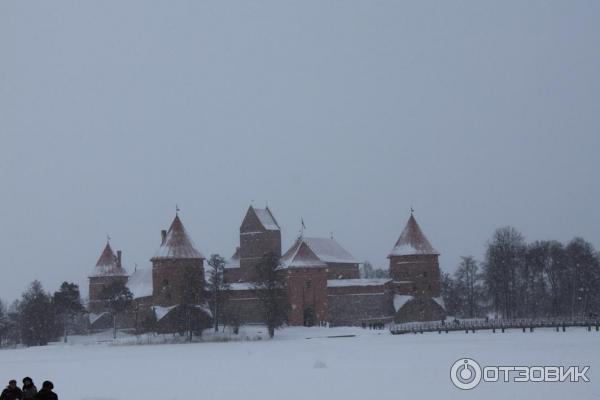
point(412, 241)
point(108, 264)
point(177, 244)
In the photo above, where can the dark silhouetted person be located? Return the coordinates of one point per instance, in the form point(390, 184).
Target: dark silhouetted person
point(46, 393)
point(12, 391)
point(29, 389)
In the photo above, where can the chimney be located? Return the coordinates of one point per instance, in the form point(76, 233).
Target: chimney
point(163, 236)
point(119, 259)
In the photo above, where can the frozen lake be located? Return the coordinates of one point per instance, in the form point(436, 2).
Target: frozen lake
point(372, 365)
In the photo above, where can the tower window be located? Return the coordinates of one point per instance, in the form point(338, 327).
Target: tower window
point(307, 284)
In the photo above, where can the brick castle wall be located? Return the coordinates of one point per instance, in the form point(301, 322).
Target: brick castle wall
point(307, 295)
point(354, 305)
point(421, 270)
point(173, 278)
point(96, 286)
point(342, 271)
point(255, 242)
point(233, 275)
point(253, 246)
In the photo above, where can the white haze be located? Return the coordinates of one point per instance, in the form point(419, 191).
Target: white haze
point(477, 114)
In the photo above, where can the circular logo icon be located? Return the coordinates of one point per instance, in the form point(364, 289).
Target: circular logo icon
point(465, 373)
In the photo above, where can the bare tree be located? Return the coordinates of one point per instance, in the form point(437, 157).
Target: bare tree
point(192, 299)
point(269, 286)
point(470, 287)
point(217, 287)
point(3, 323)
point(504, 259)
point(584, 276)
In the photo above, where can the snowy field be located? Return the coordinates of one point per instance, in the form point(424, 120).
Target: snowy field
point(372, 365)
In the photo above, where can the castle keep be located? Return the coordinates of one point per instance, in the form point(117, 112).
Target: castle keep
point(322, 279)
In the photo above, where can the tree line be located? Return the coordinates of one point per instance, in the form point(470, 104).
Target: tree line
point(40, 317)
point(516, 279)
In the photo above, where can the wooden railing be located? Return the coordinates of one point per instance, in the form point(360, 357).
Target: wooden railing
point(495, 325)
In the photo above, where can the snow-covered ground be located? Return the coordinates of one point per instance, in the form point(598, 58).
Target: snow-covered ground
point(371, 365)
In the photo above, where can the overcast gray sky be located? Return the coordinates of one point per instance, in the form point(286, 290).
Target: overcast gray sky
point(479, 114)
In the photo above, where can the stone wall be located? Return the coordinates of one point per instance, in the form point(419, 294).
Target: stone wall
point(243, 307)
point(355, 306)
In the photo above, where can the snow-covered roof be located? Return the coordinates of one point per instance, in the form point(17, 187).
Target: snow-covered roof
point(140, 283)
point(330, 251)
point(205, 308)
point(266, 218)
point(315, 252)
point(93, 317)
point(234, 261)
point(400, 300)
point(241, 286)
point(177, 243)
point(162, 312)
point(440, 302)
point(412, 241)
point(108, 264)
point(356, 282)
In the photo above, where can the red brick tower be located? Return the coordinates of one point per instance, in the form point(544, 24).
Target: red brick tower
point(306, 281)
point(414, 265)
point(259, 234)
point(108, 270)
point(177, 267)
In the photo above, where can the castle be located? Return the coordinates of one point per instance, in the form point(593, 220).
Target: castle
point(322, 280)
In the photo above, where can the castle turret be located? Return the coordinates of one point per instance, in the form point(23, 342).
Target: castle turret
point(259, 235)
point(177, 268)
point(107, 271)
point(414, 264)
